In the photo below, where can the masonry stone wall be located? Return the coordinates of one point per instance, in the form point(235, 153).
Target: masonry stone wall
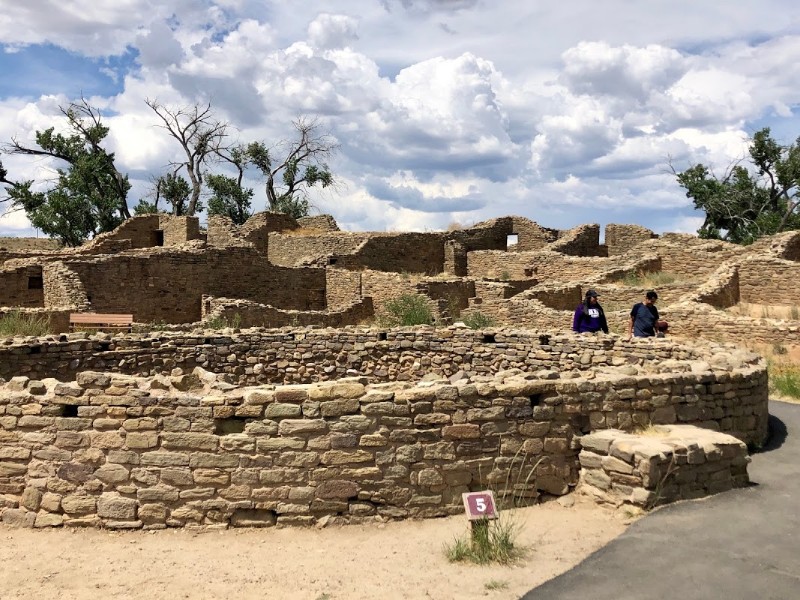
point(122, 452)
point(167, 285)
point(583, 240)
point(178, 230)
point(320, 222)
point(244, 313)
point(63, 288)
point(264, 356)
point(663, 464)
point(289, 250)
point(499, 264)
point(342, 287)
point(768, 280)
point(221, 231)
point(687, 256)
point(619, 239)
point(703, 321)
point(22, 286)
point(532, 236)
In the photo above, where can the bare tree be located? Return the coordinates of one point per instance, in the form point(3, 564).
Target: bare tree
point(200, 134)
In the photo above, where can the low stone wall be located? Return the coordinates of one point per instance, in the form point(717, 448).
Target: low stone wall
point(244, 313)
point(191, 449)
point(121, 452)
point(668, 463)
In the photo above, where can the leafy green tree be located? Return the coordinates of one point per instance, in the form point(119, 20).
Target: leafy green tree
point(89, 195)
point(228, 197)
point(294, 166)
point(746, 204)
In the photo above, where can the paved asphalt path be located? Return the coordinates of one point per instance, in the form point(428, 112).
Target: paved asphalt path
point(743, 544)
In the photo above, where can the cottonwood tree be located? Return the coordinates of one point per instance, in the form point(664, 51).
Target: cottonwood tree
point(201, 136)
point(294, 166)
point(747, 203)
point(174, 190)
point(228, 196)
point(89, 195)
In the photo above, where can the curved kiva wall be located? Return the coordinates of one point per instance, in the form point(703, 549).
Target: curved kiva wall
point(125, 452)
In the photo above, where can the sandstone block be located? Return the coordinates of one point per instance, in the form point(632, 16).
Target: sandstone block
point(302, 426)
point(280, 410)
point(142, 440)
point(31, 499)
point(341, 457)
point(189, 441)
point(164, 459)
point(153, 513)
point(337, 408)
point(461, 432)
point(173, 476)
point(114, 506)
point(336, 489)
point(78, 504)
point(112, 474)
point(157, 493)
point(46, 519)
point(18, 517)
point(291, 394)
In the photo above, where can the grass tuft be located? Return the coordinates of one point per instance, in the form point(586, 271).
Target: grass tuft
point(16, 322)
point(489, 542)
point(651, 280)
point(220, 322)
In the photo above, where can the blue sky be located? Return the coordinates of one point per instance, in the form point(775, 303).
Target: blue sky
point(445, 110)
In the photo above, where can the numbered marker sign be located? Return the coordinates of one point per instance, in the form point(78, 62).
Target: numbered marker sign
point(479, 505)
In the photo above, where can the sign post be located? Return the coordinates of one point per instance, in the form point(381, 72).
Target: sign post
point(480, 508)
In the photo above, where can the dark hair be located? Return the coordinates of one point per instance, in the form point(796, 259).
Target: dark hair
point(651, 295)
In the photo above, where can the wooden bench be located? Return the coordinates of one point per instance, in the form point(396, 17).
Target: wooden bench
point(97, 321)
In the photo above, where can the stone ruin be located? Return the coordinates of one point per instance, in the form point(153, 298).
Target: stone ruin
point(310, 412)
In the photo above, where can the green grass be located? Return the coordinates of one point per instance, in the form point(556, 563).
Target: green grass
point(651, 280)
point(784, 380)
point(489, 542)
point(477, 320)
point(405, 310)
point(495, 584)
point(224, 322)
point(19, 323)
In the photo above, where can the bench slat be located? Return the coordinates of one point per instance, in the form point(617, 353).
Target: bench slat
point(101, 321)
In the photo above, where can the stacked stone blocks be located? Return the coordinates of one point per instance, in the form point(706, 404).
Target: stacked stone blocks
point(663, 464)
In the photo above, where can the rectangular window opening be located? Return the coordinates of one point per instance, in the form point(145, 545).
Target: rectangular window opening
point(35, 283)
point(229, 425)
point(69, 410)
point(512, 239)
point(158, 237)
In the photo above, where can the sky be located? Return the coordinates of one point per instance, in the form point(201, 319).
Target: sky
point(444, 111)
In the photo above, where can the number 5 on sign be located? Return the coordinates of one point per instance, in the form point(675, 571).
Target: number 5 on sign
point(479, 505)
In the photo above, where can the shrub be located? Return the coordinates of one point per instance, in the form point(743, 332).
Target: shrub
point(651, 280)
point(220, 322)
point(16, 322)
point(408, 309)
point(478, 320)
point(784, 380)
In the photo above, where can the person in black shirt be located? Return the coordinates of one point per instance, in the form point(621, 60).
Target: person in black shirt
point(644, 316)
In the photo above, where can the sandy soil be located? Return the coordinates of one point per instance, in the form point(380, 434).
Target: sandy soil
point(381, 561)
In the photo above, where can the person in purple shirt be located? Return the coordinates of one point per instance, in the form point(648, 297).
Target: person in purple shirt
point(589, 316)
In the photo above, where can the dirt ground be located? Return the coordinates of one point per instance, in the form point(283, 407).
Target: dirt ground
point(381, 561)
